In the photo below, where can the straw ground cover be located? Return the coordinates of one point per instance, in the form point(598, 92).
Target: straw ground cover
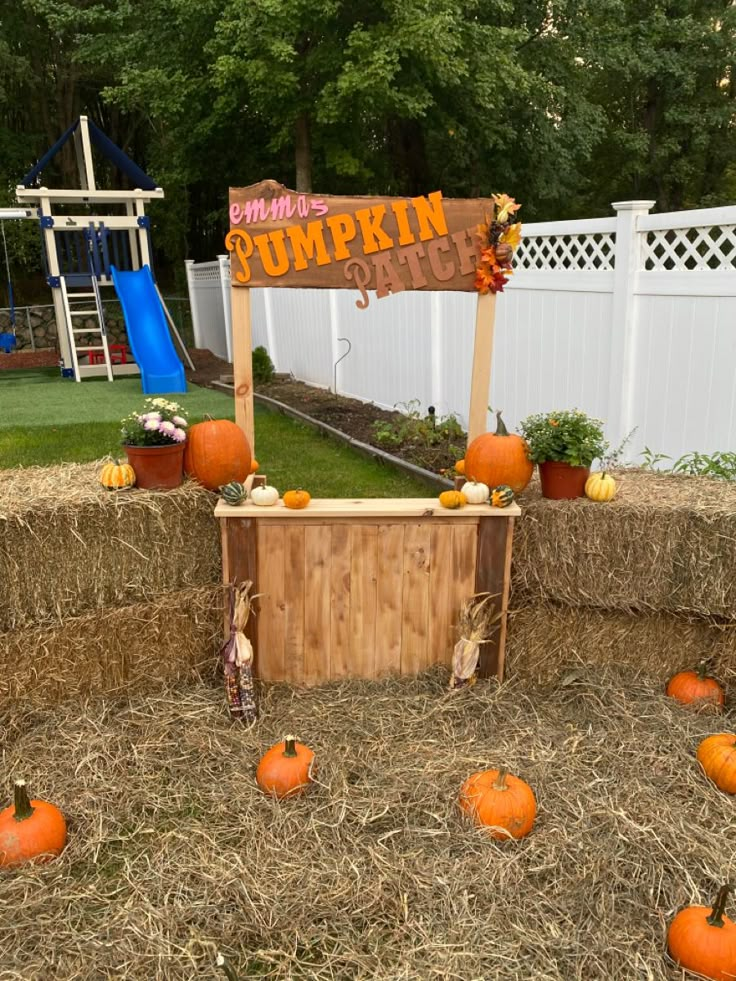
point(174, 854)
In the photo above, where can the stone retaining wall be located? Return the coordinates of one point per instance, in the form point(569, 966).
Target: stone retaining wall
point(43, 324)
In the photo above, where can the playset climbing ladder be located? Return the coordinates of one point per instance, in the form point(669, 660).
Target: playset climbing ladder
point(71, 297)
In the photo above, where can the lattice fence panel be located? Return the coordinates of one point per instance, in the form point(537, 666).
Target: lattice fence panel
point(584, 252)
point(691, 249)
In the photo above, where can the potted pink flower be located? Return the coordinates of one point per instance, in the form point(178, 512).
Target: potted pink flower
point(154, 441)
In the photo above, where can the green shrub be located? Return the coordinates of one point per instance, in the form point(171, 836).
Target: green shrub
point(263, 369)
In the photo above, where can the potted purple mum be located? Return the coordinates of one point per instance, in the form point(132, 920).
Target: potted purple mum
point(154, 441)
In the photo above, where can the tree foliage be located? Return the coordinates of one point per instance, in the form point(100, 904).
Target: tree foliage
point(566, 104)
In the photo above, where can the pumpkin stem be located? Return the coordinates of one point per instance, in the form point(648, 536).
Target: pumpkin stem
point(500, 782)
point(22, 804)
point(701, 669)
point(716, 917)
point(501, 429)
point(290, 746)
point(227, 970)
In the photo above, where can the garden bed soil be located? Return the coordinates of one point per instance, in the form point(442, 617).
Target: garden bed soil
point(352, 417)
point(174, 854)
point(358, 420)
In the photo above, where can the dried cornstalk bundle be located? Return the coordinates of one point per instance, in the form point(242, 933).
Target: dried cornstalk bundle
point(237, 657)
point(478, 620)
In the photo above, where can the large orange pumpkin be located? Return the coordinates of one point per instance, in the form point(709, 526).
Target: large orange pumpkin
point(30, 829)
point(499, 458)
point(702, 939)
point(717, 756)
point(500, 802)
point(217, 453)
point(286, 769)
point(696, 687)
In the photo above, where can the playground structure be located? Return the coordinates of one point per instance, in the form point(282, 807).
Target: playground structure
point(96, 239)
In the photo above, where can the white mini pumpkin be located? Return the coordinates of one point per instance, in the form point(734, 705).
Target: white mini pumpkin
point(476, 492)
point(265, 496)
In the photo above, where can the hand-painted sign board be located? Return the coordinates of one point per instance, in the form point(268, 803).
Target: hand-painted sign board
point(279, 237)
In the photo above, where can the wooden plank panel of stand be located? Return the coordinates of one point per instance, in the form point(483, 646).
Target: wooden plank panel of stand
point(317, 569)
point(340, 600)
point(363, 597)
point(295, 578)
point(441, 598)
point(461, 585)
point(271, 603)
point(414, 508)
point(493, 561)
point(415, 599)
point(240, 564)
point(388, 612)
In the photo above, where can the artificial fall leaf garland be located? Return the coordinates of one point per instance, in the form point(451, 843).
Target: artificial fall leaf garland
point(499, 238)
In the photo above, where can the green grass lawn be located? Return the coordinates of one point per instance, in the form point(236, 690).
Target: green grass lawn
point(45, 419)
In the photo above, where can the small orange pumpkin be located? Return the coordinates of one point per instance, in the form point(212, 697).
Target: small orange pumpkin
point(500, 458)
point(499, 801)
point(453, 499)
point(460, 467)
point(217, 453)
point(695, 686)
point(254, 464)
point(286, 769)
point(296, 499)
point(717, 755)
point(30, 829)
point(702, 939)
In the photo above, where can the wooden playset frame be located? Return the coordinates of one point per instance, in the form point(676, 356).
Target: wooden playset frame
point(358, 588)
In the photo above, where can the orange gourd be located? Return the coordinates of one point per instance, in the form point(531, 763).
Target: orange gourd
point(695, 686)
point(499, 458)
point(286, 769)
point(296, 499)
point(702, 939)
point(500, 802)
point(453, 499)
point(460, 467)
point(717, 755)
point(217, 453)
point(30, 829)
point(254, 465)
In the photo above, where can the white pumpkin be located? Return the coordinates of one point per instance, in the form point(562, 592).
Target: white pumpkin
point(265, 496)
point(476, 492)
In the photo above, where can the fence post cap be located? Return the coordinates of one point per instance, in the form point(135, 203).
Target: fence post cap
point(632, 205)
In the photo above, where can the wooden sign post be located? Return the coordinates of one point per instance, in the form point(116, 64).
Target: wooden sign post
point(357, 587)
point(480, 379)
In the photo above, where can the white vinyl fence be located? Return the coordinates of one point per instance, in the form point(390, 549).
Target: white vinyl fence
point(630, 318)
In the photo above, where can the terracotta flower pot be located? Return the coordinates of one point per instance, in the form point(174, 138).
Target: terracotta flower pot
point(560, 481)
point(157, 467)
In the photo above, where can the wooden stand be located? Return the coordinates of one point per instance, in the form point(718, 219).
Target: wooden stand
point(365, 588)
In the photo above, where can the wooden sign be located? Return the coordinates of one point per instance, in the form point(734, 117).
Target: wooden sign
point(279, 237)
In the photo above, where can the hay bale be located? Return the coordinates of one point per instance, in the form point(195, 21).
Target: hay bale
point(665, 543)
point(170, 637)
point(68, 547)
point(374, 874)
point(547, 641)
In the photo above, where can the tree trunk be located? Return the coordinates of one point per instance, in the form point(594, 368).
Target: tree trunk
point(303, 150)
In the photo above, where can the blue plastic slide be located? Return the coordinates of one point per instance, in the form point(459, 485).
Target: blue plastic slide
point(148, 332)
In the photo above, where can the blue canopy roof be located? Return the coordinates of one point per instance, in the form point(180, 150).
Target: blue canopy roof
point(105, 145)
